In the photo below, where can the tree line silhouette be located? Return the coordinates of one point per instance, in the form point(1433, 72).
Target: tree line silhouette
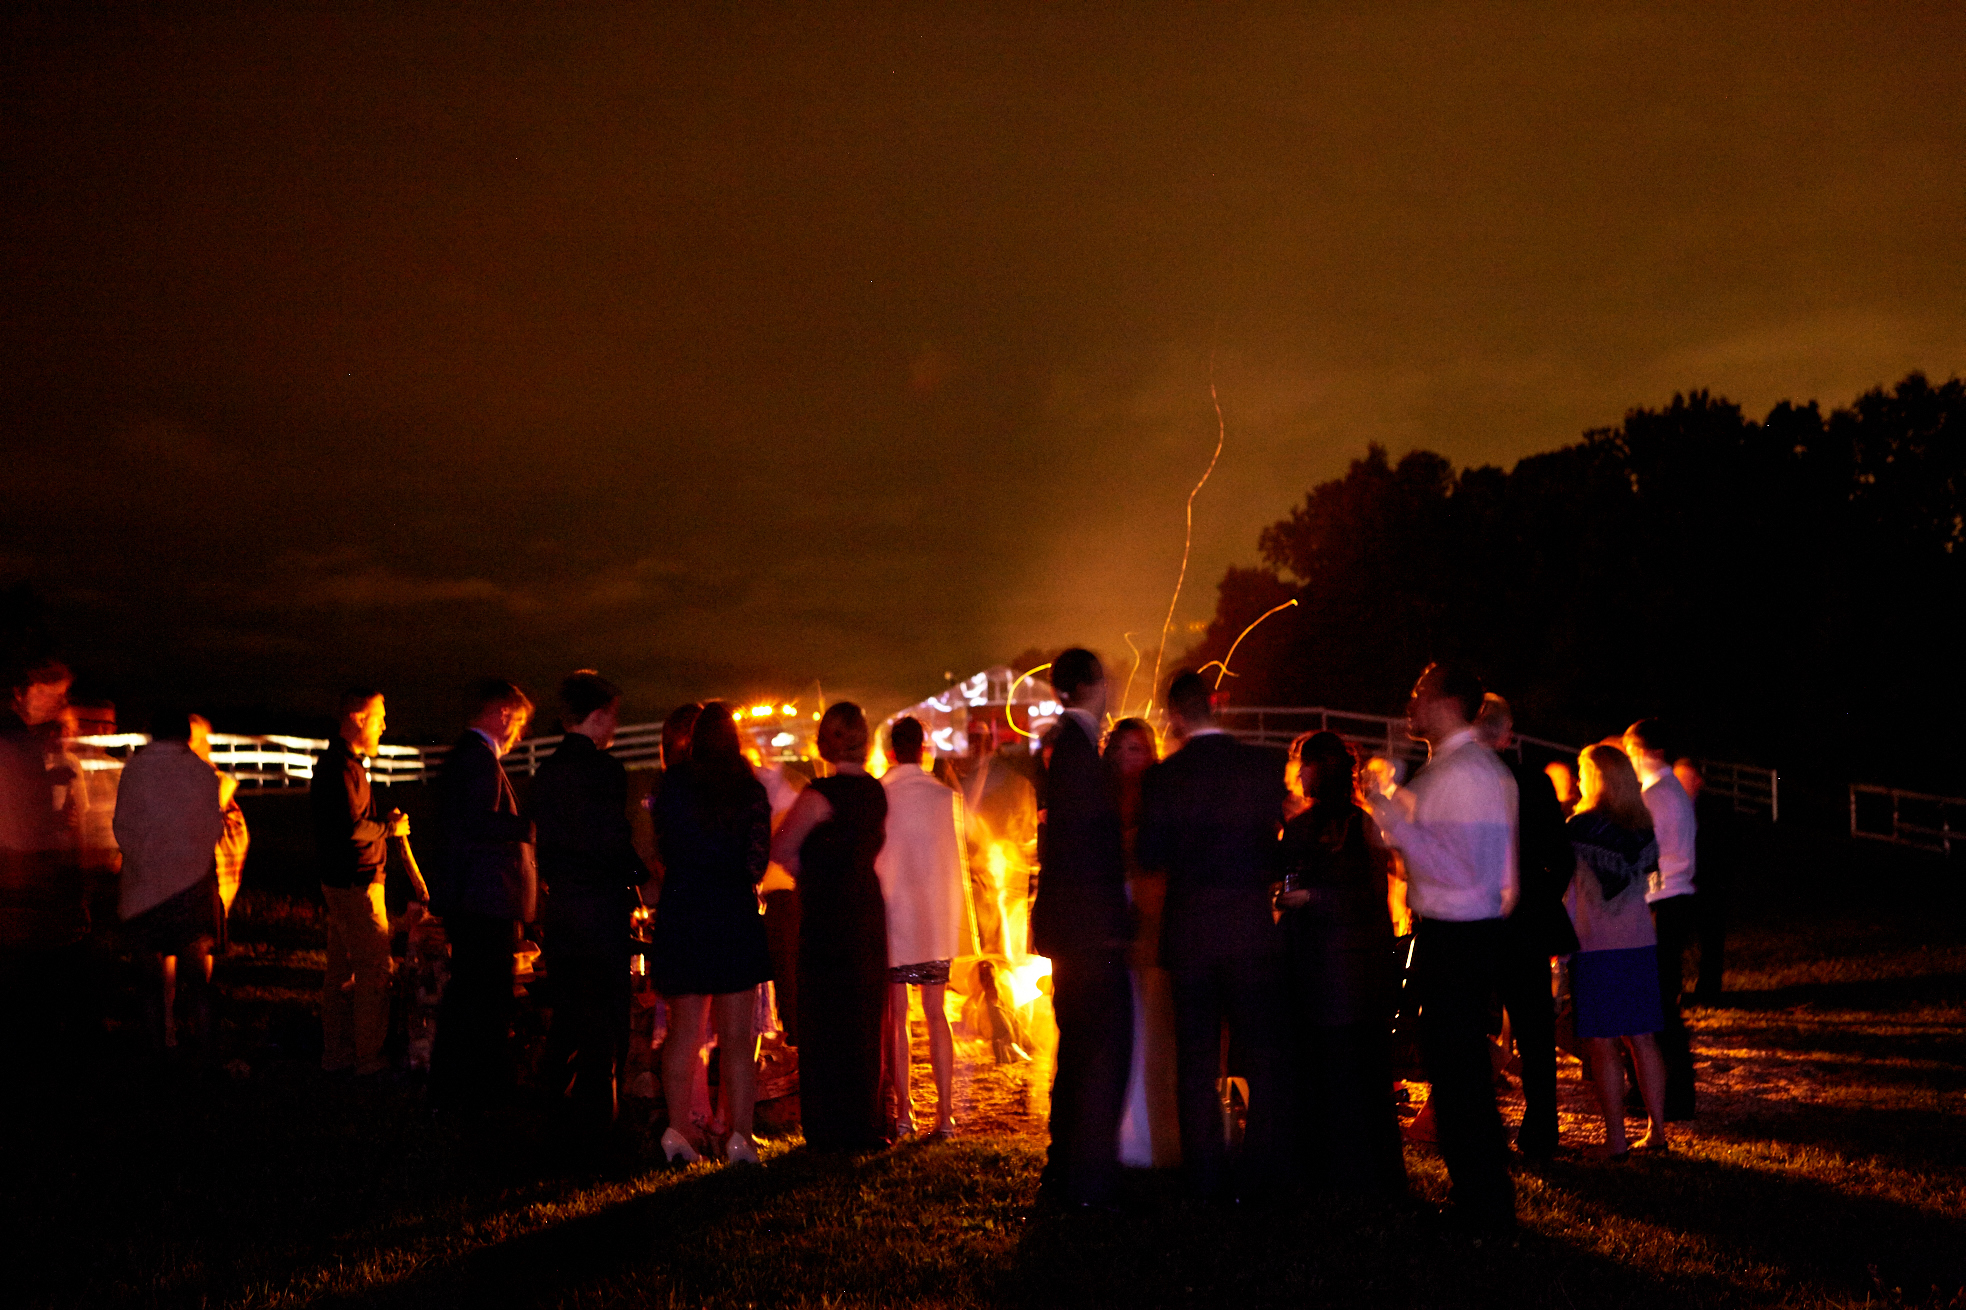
point(1787, 592)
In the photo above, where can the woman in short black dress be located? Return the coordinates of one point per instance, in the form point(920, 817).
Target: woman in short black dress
point(828, 841)
point(1338, 936)
point(714, 827)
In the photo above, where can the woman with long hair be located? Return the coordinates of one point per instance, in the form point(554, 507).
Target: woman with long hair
point(828, 841)
point(1614, 977)
point(1338, 936)
point(713, 824)
point(1150, 1130)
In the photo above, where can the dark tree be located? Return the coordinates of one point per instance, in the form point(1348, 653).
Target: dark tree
point(1786, 590)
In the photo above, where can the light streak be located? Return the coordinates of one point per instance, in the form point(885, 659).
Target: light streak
point(1127, 637)
point(1224, 661)
point(1010, 701)
point(1221, 436)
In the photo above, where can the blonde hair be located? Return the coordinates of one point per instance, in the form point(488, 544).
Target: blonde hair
point(1608, 783)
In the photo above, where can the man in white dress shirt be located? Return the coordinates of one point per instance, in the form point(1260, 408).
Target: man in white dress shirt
point(1455, 824)
point(1669, 891)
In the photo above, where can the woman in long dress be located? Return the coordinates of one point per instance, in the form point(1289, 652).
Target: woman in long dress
point(828, 842)
point(1338, 936)
point(1150, 1131)
point(713, 824)
point(1614, 978)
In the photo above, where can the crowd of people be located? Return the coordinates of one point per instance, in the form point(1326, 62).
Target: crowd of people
point(1216, 914)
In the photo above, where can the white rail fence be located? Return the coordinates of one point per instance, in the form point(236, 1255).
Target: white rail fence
point(278, 763)
point(1753, 790)
point(1907, 818)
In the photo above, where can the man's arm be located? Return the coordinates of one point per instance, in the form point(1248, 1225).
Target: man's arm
point(1464, 835)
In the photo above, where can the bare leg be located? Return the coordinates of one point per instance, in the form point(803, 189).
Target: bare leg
point(167, 966)
point(1651, 1068)
point(898, 1056)
point(737, 1046)
point(679, 1058)
point(941, 1055)
point(1610, 1079)
point(200, 988)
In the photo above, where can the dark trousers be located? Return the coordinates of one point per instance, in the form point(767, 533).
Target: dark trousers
point(1524, 982)
point(782, 940)
point(1713, 945)
point(1092, 998)
point(1676, 920)
point(1454, 972)
point(589, 1036)
point(471, 1067)
point(1349, 1128)
point(1245, 992)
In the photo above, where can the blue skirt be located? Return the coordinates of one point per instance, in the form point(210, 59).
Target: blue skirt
point(1616, 993)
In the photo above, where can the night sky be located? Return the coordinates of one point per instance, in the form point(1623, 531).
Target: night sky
point(725, 352)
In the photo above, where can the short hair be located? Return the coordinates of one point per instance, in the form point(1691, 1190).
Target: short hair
point(171, 724)
point(1075, 670)
point(843, 734)
point(1494, 713)
point(583, 692)
point(904, 740)
point(42, 672)
point(1456, 684)
point(1652, 737)
point(356, 699)
point(496, 693)
point(1190, 697)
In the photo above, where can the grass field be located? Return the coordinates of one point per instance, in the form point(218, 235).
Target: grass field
point(1828, 1168)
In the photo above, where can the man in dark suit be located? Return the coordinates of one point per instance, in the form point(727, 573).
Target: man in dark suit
point(486, 887)
point(1080, 920)
point(1538, 928)
point(1209, 816)
point(590, 869)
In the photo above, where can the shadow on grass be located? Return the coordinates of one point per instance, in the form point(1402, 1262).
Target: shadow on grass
point(1880, 995)
point(1837, 1234)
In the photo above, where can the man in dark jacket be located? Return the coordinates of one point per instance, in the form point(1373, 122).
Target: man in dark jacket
point(1079, 919)
point(1209, 816)
point(589, 869)
point(351, 844)
point(1538, 928)
point(486, 887)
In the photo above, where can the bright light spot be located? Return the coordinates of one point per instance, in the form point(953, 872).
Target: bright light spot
point(783, 739)
point(1023, 980)
point(761, 711)
point(787, 709)
point(815, 716)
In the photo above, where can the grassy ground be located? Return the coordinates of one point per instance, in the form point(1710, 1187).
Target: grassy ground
point(1828, 1168)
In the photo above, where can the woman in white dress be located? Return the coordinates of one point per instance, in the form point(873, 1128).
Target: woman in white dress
point(1150, 1132)
point(921, 869)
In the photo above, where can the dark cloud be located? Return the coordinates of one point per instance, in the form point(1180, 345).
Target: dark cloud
point(729, 351)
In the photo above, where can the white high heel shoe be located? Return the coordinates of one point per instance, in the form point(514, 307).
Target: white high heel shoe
point(676, 1148)
point(740, 1150)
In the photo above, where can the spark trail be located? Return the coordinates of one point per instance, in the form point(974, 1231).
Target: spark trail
point(1221, 436)
point(1223, 663)
point(1010, 701)
point(1127, 694)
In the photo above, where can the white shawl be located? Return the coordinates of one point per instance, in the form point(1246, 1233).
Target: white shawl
point(168, 823)
point(921, 867)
